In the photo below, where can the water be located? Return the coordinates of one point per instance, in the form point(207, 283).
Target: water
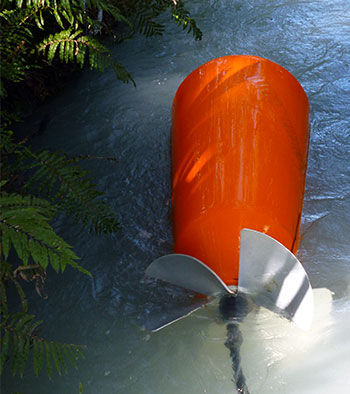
point(97, 115)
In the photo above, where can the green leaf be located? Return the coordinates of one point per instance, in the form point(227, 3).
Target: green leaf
point(78, 351)
point(44, 259)
point(24, 356)
point(62, 50)
point(23, 321)
point(52, 51)
point(182, 18)
point(21, 296)
point(55, 358)
point(60, 357)
point(16, 241)
point(36, 351)
point(122, 73)
point(69, 53)
point(3, 299)
point(70, 355)
point(54, 260)
point(6, 242)
point(15, 317)
point(38, 21)
point(25, 249)
point(41, 18)
point(33, 326)
point(68, 16)
point(35, 250)
point(58, 18)
point(38, 355)
point(82, 270)
point(48, 359)
point(4, 348)
point(18, 352)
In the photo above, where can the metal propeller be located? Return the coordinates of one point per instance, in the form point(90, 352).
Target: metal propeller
point(268, 272)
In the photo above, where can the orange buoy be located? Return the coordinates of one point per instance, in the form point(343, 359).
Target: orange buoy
point(239, 147)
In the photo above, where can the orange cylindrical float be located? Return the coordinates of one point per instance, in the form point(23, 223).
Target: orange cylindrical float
point(239, 147)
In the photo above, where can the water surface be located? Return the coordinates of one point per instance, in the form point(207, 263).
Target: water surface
point(97, 115)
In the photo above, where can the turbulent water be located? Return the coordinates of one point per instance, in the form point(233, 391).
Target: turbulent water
point(99, 116)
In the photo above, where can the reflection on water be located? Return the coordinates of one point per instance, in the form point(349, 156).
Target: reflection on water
point(99, 116)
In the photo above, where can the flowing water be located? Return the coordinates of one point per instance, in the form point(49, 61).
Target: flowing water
point(99, 116)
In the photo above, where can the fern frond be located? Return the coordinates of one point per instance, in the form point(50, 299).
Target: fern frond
point(73, 46)
point(70, 188)
point(19, 339)
point(61, 180)
point(147, 14)
point(5, 342)
point(21, 294)
point(3, 300)
point(146, 21)
point(182, 18)
point(122, 73)
point(24, 226)
point(147, 26)
point(14, 47)
point(110, 8)
point(60, 41)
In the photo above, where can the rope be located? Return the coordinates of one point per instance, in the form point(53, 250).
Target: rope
point(233, 310)
point(233, 343)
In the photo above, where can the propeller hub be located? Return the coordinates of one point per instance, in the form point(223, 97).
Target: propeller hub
point(234, 307)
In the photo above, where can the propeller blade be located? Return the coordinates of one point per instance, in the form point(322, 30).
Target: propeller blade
point(188, 272)
point(270, 273)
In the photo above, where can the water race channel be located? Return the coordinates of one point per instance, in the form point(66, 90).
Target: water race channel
point(99, 116)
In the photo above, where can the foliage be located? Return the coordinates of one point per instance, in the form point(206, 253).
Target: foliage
point(145, 14)
point(34, 31)
point(25, 228)
point(70, 188)
point(60, 180)
point(37, 186)
point(19, 333)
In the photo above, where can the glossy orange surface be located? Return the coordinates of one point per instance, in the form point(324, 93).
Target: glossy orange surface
point(239, 147)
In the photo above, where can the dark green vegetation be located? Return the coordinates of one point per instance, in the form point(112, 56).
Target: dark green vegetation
point(37, 37)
